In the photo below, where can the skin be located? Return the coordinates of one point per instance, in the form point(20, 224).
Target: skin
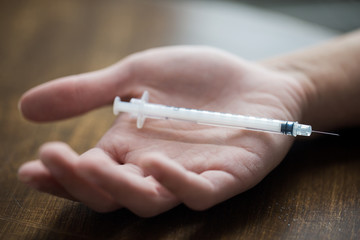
point(166, 163)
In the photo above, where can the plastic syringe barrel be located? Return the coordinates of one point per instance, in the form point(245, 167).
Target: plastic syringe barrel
point(142, 110)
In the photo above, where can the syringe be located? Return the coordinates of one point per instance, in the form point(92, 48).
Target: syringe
point(142, 110)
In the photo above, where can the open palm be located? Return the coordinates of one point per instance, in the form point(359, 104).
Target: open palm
point(153, 169)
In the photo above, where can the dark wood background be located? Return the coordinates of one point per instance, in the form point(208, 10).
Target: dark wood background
point(313, 194)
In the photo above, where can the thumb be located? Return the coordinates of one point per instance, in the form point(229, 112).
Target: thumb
point(74, 95)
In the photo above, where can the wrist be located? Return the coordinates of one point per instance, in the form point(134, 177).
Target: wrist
point(301, 85)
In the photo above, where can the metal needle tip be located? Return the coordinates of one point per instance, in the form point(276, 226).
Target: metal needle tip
point(327, 133)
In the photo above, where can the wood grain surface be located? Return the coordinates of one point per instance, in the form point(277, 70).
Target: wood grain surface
point(313, 194)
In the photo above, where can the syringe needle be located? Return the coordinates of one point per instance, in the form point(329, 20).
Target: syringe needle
point(326, 133)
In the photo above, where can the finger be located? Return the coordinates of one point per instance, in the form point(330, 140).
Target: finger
point(128, 186)
point(61, 161)
point(197, 191)
point(36, 175)
point(73, 95)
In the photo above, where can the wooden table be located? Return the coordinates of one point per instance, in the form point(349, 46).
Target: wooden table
point(313, 194)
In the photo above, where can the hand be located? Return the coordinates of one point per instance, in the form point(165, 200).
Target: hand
point(153, 169)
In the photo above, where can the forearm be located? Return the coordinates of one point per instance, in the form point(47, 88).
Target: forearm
point(330, 77)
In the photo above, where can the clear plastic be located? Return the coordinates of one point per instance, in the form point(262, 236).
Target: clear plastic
point(142, 110)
